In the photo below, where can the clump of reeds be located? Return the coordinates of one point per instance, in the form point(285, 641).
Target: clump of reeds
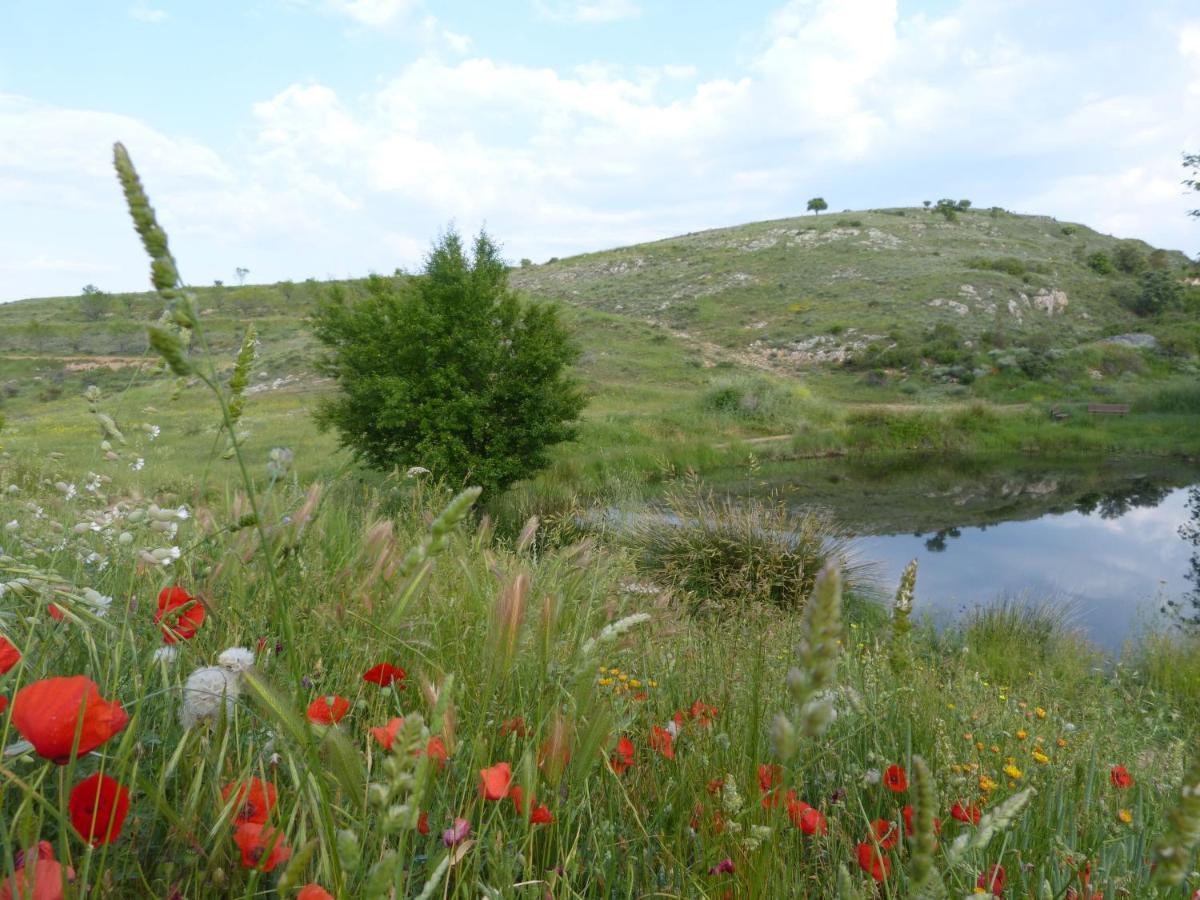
point(724, 553)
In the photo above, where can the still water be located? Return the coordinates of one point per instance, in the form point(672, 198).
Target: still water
point(1115, 541)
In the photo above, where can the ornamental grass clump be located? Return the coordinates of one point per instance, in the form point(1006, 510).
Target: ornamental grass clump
point(722, 553)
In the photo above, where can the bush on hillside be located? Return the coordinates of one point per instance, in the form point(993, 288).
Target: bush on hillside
point(1128, 257)
point(1100, 263)
point(1156, 290)
point(752, 398)
point(449, 371)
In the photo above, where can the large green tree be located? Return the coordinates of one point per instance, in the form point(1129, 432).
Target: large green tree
point(449, 370)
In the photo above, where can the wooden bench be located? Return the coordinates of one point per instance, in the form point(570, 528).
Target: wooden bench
point(1108, 409)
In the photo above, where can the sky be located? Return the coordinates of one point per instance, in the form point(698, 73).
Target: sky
point(333, 138)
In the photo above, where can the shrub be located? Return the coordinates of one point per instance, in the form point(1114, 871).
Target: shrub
point(722, 553)
point(1068, 230)
point(1128, 258)
point(1009, 265)
point(449, 371)
point(1100, 263)
point(752, 398)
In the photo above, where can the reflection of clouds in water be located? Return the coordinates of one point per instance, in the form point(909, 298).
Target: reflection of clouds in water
point(1113, 570)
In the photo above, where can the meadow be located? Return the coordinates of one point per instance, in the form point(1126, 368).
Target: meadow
point(234, 665)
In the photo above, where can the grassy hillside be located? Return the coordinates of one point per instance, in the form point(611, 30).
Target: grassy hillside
point(871, 331)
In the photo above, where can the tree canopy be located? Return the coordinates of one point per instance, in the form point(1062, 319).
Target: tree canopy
point(449, 370)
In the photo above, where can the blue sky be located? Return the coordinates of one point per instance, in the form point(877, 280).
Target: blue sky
point(329, 138)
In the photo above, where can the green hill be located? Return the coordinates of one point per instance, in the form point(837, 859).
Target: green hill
point(816, 334)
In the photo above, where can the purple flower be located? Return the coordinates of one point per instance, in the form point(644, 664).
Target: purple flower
point(724, 866)
point(456, 833)
point(306, 681)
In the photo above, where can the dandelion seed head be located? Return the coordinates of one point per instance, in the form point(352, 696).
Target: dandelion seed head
point(236, 659)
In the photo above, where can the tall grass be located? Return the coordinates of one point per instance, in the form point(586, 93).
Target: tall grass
point(723, 554)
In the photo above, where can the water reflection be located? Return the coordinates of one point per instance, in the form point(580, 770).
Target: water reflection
point(1118, 541)
point(1186, 610)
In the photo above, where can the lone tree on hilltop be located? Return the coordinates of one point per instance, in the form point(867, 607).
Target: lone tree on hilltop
point(816, 204)
point(449, 370)
point(95, 302)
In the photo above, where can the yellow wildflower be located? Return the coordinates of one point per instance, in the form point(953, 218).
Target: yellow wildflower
point(1022, 734)
point(1012, 772)
point(986, 784)
point(1039, 712)
point(1040, 758)
point(1125, 816)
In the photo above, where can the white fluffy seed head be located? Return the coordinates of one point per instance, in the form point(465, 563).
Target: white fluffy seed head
point(205, 691)
point(236, 659)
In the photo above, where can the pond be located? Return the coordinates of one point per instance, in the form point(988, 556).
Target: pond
point(1113, 540)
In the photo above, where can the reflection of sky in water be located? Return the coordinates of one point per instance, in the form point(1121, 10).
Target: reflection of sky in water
point(1116, 572)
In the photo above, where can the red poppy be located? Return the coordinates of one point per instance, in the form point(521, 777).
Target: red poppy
point(539, 814)
point(423, 823)
point(1120, 777)
point(50, 711)
point(968, 814)
point(313, 892)
point(179, 613)
point(9, 655)
point(98, 808)
point(895, 779)
point(622, 759)
point(992, 880)
point(703, 713)
point(873, 862)
point(56, 612)
point(386, 674)
point(328, 710)
point(715, 785)
point(436, 751)
point(660, 740)
point(908, 821)
point(808, 819)
point(769, 776)
point(886, 833)
point(515, 726)
point(3, 704)
point(254, 802)
point(495, 781)
point(262, 846)
point(386, 734)
point(37, 877)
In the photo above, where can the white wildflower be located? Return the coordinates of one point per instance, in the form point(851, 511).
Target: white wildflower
point(673, 728)
point(152, 431)
point(416, 472)
point(168, 653)
point(98, 601)
point(871, 776)
point(138, 464)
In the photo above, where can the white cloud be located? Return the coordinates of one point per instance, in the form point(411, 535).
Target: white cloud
point(374, 13)
point(588, 12)
point(147, 14)
point(845, 98)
